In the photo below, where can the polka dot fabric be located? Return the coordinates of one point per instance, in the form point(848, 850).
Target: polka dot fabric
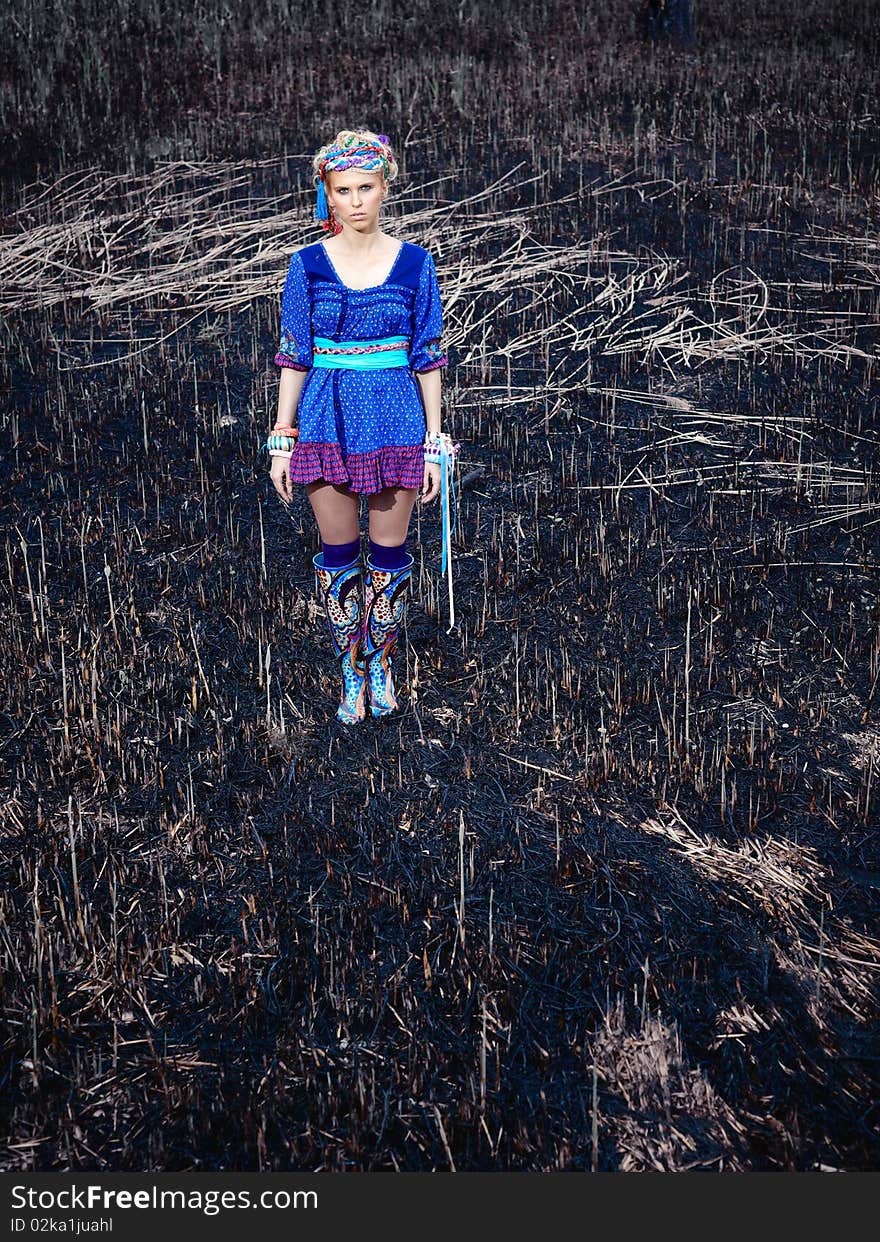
point(361, 428)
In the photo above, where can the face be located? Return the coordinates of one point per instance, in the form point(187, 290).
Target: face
point(356, 197)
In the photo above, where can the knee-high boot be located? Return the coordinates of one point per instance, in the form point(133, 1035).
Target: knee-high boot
point(340, 590)
point(385, 597)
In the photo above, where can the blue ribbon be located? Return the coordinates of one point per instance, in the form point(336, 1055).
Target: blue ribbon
point(447, 471)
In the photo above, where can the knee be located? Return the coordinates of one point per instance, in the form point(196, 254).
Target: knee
point(388, 556)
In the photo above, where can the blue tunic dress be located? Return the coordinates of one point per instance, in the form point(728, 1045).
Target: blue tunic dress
point(363, 428)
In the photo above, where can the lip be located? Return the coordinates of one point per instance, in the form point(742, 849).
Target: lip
point(357, 215)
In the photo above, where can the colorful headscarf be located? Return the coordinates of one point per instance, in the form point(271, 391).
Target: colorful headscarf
point(352, 152)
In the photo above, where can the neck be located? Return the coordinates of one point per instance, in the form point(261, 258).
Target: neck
point(359, 241)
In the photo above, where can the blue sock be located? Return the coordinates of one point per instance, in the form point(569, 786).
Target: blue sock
point(388, 557)
point(337, 554)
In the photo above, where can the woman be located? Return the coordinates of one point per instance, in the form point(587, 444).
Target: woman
point(360, 357)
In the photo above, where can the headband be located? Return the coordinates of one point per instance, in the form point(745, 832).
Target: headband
point(370, 156)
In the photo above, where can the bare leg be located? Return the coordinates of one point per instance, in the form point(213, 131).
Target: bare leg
point(390, 511)
point(337, 511)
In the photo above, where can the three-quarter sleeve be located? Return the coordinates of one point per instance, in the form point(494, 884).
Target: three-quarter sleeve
point(426, 349)
point(295, 344)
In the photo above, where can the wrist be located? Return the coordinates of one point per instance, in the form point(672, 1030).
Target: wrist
point(439, 447)
point(281, 441)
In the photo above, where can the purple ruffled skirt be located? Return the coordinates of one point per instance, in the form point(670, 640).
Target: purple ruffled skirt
point(393, 465)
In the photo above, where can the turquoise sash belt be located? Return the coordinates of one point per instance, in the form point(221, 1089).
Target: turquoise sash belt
point(375, 359)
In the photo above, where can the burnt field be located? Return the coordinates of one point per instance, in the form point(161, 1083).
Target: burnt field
point(604, 895)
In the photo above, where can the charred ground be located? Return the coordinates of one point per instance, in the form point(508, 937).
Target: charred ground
point(604, 896)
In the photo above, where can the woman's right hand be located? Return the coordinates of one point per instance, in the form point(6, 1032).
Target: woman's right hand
point(280, 476)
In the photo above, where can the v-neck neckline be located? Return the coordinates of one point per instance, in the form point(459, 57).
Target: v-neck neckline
point(366, 288)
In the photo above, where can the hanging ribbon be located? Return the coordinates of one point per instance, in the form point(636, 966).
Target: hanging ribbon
point(440, 450)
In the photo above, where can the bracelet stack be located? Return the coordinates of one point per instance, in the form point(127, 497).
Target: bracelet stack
point(281, 440)
point(436, 447)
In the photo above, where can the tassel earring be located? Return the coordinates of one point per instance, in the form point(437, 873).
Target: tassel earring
point(321, 212)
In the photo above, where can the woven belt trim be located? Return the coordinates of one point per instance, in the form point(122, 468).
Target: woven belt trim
point(345, 348)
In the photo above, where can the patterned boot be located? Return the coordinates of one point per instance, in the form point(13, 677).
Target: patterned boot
point(340, 590)
point(384, 612)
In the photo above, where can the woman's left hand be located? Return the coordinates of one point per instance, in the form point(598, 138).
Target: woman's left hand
point(431, 483)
